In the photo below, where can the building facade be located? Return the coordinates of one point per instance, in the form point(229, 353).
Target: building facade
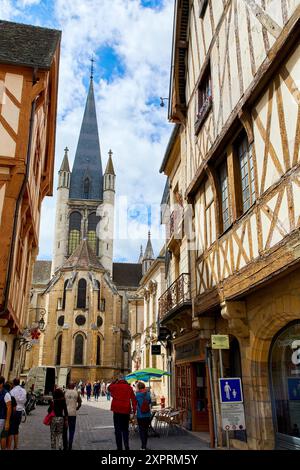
point(235, 99)
point(28, 103)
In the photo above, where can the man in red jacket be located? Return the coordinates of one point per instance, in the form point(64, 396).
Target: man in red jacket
point(123, 403)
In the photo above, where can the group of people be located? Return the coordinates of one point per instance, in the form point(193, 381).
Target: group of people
point(12, 402)
point(127, 402)
point(97, 389)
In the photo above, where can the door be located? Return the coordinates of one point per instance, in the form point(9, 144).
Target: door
point(62, 376)
point(183, 392)
point(200, 398)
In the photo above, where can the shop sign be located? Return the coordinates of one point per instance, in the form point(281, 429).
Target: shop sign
point(155, 349)
point(220, 341)
point(188, 350)
point(233, 416)
point(231, 390)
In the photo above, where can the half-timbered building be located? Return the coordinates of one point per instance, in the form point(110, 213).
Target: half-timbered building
point(29, 63)
point(235, 99)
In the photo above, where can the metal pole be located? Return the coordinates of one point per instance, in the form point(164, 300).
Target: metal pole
point(222, 375)
point(212, 399)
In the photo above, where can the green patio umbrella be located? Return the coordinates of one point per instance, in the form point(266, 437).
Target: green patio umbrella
point(146, 374)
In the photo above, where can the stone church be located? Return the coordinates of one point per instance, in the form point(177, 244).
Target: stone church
point(86, 296)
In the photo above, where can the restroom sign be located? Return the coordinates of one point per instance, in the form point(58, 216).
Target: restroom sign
point(231, 390)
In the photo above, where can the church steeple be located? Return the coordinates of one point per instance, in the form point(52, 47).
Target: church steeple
point(87, 177)
point(148, 257)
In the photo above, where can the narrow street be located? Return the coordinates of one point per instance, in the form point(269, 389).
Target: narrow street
point(94, 431)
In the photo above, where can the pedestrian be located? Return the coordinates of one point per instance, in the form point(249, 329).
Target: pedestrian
point(88, 389)
point(103, 389)
point(5, 413)
point(73, 402)
point(58, 405)
point(143, 398)
point(20, 396)
point(108, 395)
point(97, 390)
point(123, 403)
point(82, 390)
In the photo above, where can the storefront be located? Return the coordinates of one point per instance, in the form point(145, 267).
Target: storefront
point(192, 383)
point(284, 366)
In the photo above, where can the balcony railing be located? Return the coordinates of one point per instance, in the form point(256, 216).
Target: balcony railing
point(178, 293)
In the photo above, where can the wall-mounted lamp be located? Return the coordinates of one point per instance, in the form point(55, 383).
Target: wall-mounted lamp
point(162, 104)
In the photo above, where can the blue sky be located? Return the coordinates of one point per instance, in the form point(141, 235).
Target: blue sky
point(131, 43)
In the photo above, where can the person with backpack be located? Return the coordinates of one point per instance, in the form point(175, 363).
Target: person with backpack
point(123, 403)
point(143, 398)
point(5, 413)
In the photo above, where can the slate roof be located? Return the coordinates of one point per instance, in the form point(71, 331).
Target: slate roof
point(41, 272)
point(83, 257)
point(127, 274)
point(87, 163)
point(27, 45)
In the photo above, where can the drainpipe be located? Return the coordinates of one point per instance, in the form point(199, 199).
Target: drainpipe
point(19, 200)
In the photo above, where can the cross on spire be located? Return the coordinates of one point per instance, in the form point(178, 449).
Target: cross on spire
point(92, 67)
point(110, 153)
point(66, 151)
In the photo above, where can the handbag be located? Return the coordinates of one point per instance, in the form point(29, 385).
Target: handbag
point(48, 418)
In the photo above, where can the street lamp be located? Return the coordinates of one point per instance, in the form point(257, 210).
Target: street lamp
point(41, 322)
point(162, 104)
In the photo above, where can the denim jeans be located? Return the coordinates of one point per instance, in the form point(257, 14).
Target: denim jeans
point(144, 424)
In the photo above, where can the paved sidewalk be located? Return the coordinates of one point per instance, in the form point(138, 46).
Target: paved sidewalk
point(94, 431)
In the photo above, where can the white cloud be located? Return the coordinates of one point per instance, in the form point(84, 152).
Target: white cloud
point(135, 130)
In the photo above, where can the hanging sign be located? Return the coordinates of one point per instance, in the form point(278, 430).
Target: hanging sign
point(220, 341)
point(155, 349)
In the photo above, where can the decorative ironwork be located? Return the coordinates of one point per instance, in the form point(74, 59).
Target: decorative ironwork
point(178, 293)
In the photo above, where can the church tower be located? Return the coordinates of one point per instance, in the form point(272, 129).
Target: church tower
point(61, 218)
point(148, 257)
point(86, 197)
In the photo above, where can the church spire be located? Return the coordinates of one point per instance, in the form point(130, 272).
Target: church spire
point(87, 177)
point(148, 257)
point(141, 256)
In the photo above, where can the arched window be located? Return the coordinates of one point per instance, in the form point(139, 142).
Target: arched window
point(81, 294)
point(86, 188)
point(98, 358)
point(74, 231)
point(64, 295)
point(58, 350)
point(78, 349)
point(98, 296)
point(93, 239)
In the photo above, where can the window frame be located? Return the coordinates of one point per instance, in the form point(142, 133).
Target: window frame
point(241, 208)
point(204, 98)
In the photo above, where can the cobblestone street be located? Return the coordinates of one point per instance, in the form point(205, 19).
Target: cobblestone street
point(94, 431)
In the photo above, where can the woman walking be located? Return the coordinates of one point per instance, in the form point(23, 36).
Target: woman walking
point(143, 398)
point(58, 405)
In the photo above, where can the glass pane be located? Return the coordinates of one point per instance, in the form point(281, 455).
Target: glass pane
point(285, 373)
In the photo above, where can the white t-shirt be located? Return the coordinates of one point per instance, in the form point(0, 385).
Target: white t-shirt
point(20, 396)
point(71, 397)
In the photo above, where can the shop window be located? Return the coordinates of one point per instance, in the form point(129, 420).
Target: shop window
point(285, 379)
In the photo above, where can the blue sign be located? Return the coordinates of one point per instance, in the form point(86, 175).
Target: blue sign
point(231, 390)
point(294, 388)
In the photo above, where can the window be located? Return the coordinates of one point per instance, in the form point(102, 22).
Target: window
point(244, 155)
point(93, 240)
point(99, 321)
point(204, 101)
point(81, 294)
point(58, 350)
point(225, 206)
point(98, 296)
point(80, 320)
point(64, 295)
point(74, 231)
point(98, 358)
point(61, 320)
point(78, 350)
point(86, 188)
